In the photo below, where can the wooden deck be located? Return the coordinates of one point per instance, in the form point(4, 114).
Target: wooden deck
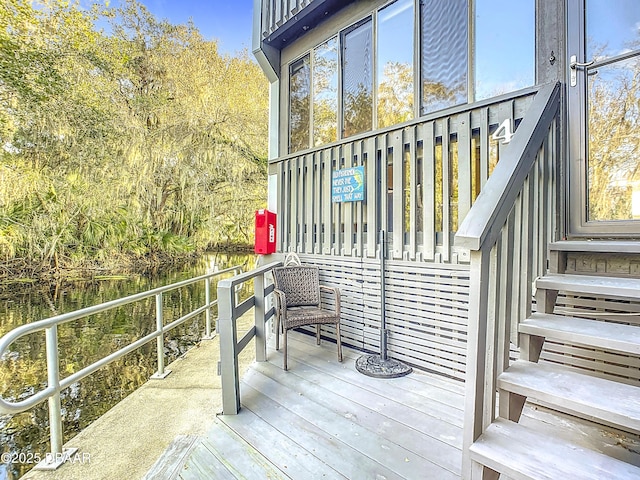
point(323, 419)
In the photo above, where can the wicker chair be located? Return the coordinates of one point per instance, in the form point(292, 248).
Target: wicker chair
point(299, 303)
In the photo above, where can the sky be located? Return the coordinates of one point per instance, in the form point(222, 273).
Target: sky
point(228, 21)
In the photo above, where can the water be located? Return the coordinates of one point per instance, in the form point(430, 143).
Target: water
point(25, 437)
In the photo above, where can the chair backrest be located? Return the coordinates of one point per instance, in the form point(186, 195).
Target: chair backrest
point(301, 285)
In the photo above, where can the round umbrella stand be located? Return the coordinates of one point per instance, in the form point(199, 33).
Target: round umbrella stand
point(381, 366)
point(376, 366)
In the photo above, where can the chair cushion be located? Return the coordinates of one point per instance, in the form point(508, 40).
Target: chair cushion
point(300, 316)
point(301, 285)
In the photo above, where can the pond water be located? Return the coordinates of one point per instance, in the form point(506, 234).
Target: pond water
point(23, 371)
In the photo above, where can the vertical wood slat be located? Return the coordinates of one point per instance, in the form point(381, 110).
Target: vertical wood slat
point(538, 193)
point(327, 206)
point(530, 238)
point(347, 248)
point(464, 165)
point(517, 258)
point(446, 192)
point(382, 149)
point(286, 220)
point(309, 199)
point(546, 204)
point(410, 138)
point(280, 192)
point(372, 200)
point(504, 298)
point(492, 320)
point(336, 241)
point(299, 199)
point(398, 194)
point(359, 207)
point(319, 202)
point(556, 203)
point(278, 13)
point(484, 146)
point(524, 294)
point(429, 182)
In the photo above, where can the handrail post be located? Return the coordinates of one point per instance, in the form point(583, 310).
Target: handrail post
point(228, 343)
point(58, 455)
point(53, 378)
point(476, 354)
point(207, 314)
point(258, 313)
point(161, 373)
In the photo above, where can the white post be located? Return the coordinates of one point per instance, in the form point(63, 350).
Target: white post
point(161, 373)
point(228, 341)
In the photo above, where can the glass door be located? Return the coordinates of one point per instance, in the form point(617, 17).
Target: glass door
point(604, 117)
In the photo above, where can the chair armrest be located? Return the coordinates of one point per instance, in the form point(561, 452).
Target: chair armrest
point(281, 303)
point(336, 294)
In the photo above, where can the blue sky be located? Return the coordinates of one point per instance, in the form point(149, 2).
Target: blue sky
point(228, 21)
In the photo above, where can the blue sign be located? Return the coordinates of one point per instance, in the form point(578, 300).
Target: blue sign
point(347, 185)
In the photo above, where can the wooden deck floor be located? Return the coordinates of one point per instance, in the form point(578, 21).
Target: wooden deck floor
point(324, 420)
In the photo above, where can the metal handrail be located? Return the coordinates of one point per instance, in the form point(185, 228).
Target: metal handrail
point(50, 325)
point(229, 311)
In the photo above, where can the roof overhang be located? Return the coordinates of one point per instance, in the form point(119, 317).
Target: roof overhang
point(267, 50)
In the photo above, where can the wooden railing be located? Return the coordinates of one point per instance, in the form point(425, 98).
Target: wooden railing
point(422, 178)
point(507, 232)
point(229, 311)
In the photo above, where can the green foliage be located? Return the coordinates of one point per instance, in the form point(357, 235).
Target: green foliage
point(146, 141)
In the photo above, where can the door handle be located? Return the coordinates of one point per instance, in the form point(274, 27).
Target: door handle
point(573, 65)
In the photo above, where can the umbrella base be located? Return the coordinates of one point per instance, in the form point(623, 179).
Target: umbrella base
point(375, 366)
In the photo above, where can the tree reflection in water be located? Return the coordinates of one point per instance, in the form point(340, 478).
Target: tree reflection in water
point(23, 371)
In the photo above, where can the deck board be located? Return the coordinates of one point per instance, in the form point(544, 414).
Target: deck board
point(323, 419)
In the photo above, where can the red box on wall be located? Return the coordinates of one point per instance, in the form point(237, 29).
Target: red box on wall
point(265, 242)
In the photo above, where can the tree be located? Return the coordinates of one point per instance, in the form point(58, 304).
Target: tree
point(395, 94)
point(614, 122)
point(123, 147)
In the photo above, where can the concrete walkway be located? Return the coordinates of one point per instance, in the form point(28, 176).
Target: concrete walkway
point(127, 440)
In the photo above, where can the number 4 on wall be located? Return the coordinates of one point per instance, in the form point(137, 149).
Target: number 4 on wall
point(503, 132)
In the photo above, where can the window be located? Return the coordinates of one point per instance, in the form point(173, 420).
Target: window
point(325, 92)
point(357, 79)
point(444, 52)
point(368, 75)
point(395, 63)
point(299, 104)
point(504, 46)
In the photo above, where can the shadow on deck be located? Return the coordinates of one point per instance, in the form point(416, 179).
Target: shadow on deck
point(323, 419)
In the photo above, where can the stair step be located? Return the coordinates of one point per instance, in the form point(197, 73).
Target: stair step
point(596, 246)
point(592, 333)
point(593, 398)
point(591, 285)
point(522, 453)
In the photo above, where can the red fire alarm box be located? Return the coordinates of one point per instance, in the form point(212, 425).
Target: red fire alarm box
point(265, 242)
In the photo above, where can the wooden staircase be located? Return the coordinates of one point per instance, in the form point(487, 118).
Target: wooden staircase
point(508, 447)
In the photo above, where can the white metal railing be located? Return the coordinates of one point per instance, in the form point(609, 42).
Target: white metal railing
point(507, 232)
point(229, 311)
point(55, 384)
